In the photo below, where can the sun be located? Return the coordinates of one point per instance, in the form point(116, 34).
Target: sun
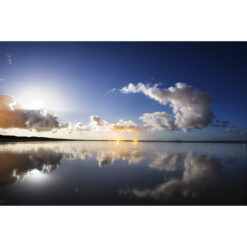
point(35, 104)
point(40, 96)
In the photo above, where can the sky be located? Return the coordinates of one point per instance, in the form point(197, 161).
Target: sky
point(124, 90)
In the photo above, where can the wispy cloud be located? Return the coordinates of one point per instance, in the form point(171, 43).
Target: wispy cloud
point(9, 57)
point(112, 90)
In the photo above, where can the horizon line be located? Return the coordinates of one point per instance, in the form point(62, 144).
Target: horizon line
point(35, 138)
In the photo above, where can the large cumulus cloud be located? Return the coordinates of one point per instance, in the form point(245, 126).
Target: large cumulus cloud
point(191, 107)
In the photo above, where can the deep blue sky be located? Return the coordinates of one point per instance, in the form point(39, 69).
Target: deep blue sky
point(85, 72)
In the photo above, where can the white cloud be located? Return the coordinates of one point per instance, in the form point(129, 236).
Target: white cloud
point(158, 121)
point(191, 107)
point(97, 123)
point(81, 127)
point(128, 126)
point(121, 125)
point(68, 127)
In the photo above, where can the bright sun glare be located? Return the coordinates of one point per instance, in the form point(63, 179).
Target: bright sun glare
point(36, 97)
point(35, 104)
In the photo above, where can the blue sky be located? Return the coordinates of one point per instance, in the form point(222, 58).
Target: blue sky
point(79, 76)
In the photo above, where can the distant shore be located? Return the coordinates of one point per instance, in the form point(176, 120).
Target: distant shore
point(4, 139)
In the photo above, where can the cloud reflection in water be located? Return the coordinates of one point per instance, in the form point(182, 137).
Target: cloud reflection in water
point(199, 173)
point(188, 170)
point(19, 159)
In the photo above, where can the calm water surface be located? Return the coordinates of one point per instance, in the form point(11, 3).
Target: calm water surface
point(125, 173)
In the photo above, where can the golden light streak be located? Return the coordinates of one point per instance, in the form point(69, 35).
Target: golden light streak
point(135, 142)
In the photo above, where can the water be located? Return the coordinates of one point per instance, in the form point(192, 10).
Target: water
point(125, 173)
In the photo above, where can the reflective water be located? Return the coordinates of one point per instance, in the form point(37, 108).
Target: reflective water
point(125, 173)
